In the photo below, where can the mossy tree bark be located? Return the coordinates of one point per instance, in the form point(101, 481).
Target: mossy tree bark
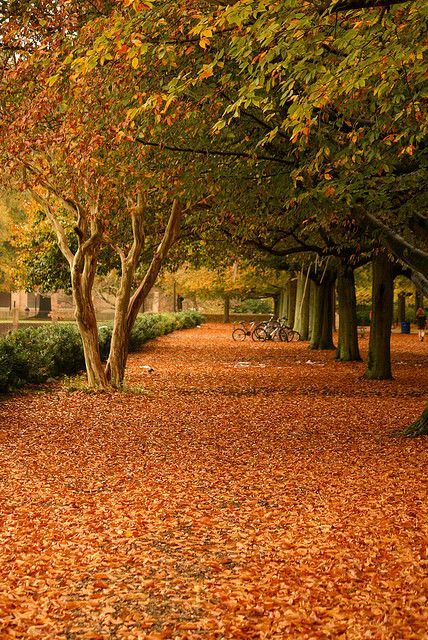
point(301, 323)
point(292, 293)
point(322, 327)
point(379, 359)
point(347, 348)
point(419, 427)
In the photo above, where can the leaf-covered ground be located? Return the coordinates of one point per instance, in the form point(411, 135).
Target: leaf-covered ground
point(253, 491)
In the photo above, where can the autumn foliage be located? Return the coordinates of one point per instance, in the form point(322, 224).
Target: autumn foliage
point(252, 491)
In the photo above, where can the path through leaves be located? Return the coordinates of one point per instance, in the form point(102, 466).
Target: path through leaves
point(252, 491)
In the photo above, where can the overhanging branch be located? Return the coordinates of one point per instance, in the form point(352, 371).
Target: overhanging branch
point(213, 152)
point(352, 5)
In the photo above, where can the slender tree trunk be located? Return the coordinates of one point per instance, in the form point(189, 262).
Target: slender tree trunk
point(115, 367)
point(82, 283)
point(82, 265)
point(169, 237)
point(118, 355)
point(347, 349)
point(322, 329)
point(379, 360)
point(226, 309)
point(127, 306)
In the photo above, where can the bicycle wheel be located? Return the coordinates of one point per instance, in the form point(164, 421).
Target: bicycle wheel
point(259, 334)
point(239, 334)
point(276, 335)
point(258, 328)
point(293, 336)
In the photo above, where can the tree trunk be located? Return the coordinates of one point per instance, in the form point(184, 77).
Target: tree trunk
point(419, 300)
point(347, 348)
point(312, 294)
point(322, 328)
point(379, 360)
point(169, 237)
point(82, 282)
point(226, 309)
point(292, 288)
point(127, 307)
point(115, 367)
point(304, 333)
point(419, 427)
point(301, 323)
point(401, 307)
point(299, 295)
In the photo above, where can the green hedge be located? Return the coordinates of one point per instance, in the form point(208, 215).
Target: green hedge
point(32, 355)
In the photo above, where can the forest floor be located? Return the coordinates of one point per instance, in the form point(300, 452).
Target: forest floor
point(248, 491)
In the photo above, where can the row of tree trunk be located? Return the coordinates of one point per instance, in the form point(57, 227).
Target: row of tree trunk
point(309, 304)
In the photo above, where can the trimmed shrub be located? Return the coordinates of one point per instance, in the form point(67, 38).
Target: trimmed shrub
point(32, 355)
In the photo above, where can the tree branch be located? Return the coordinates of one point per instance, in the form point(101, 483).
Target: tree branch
point(352, 5)
point(59, 229)
point(213, 152)
point(400, 247)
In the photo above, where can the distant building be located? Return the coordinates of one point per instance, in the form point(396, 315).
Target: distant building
point(59, 306)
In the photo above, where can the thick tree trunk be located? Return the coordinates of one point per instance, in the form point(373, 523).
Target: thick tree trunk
point(299, 295)
point(304, 316)
point(379, 360)
point(419, 427)
point(322, 328)
point(419, 300)
point(292, 288)
point(347, 348)
point(301, 323)
point(312, 294)
point(401, 307)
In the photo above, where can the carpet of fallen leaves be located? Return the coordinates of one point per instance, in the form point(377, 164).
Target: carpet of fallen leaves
point(252, 491)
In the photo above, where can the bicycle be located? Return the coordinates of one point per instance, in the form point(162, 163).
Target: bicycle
point(275, 329)
point(245, 329)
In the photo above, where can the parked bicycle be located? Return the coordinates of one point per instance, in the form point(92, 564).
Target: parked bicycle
point(243, 330)
point(275, 329)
